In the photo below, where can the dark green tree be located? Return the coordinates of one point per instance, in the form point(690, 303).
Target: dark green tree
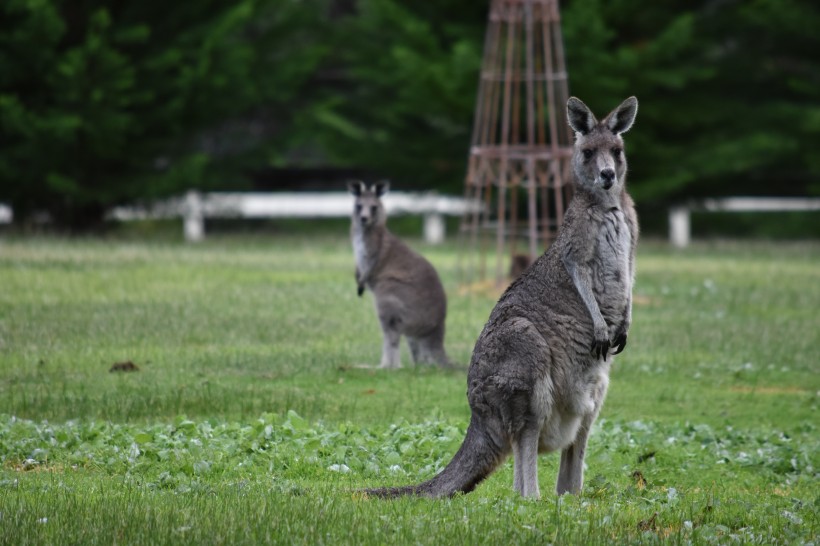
point(410, 74)
point(730, 91)
point(108, 102)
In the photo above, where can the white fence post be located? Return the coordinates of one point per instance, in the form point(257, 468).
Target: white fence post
point(193, 217)
point(6, 214)
point(679, 226)
point(434, 228)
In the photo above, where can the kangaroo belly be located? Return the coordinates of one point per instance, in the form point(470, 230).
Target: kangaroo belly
point(407, 310)
point(558, 432)
point(575, 400)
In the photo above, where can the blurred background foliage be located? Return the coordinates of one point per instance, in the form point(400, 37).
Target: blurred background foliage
point(108, 102)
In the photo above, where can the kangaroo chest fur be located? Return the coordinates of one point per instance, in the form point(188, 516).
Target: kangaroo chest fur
point(365, 251)
point(576, 384)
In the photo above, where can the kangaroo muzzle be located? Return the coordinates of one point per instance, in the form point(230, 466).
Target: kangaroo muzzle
point(607, 178)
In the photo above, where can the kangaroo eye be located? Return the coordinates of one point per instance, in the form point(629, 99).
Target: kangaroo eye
point(373, 210)
point(616, 152)
point(358, 208)
point(588, 154)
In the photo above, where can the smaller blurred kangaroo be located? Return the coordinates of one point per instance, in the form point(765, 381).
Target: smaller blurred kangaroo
point(409, 297)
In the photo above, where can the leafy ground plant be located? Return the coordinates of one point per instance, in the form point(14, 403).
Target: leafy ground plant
point(248, 420)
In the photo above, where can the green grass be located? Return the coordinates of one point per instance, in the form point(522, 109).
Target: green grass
point(249, 421)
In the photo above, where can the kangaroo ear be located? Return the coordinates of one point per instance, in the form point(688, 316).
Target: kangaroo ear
point(579, 116)
point(356, 188)
point(621, 119)
point(381, 187)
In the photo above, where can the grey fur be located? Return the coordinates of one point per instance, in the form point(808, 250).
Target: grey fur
point(540, 368)
point(409, 297)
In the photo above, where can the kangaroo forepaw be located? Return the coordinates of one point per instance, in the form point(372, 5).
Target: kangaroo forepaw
point(600, 348)
point(619, 343)
point(360, 290)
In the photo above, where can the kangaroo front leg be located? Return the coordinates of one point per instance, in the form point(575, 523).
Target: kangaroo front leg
point(525, 460)
point(619, 341)
point(583, 283)
point(359, 283)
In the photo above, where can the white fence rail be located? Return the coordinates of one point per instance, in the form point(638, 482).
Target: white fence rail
point(680, 221)
point(194, 208)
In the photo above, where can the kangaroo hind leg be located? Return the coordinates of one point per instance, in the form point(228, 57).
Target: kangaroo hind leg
point(525, 459)
point(391, 322)
point(391, 351)
point(415, 350)
point(428, 350)
point(571, 471)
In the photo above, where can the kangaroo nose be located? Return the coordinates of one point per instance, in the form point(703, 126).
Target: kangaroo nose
point(608, 177)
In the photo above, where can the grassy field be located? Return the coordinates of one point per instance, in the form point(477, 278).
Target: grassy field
point(250, 421)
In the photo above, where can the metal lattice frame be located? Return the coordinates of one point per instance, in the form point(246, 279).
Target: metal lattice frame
point(521, 143)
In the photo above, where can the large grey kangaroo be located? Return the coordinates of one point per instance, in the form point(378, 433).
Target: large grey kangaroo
point(540, 368)
point(409, 297)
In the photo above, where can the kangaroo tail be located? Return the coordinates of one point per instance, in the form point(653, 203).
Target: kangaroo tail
point(478, 456)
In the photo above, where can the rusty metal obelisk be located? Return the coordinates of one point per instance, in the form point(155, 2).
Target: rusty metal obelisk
point(518, 166)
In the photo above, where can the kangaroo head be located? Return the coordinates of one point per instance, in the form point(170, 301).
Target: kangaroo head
point(598, 159)
point(368, 210)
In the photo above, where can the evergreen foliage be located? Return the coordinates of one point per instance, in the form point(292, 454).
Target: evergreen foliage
point(109, 102)
point(103, 103)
